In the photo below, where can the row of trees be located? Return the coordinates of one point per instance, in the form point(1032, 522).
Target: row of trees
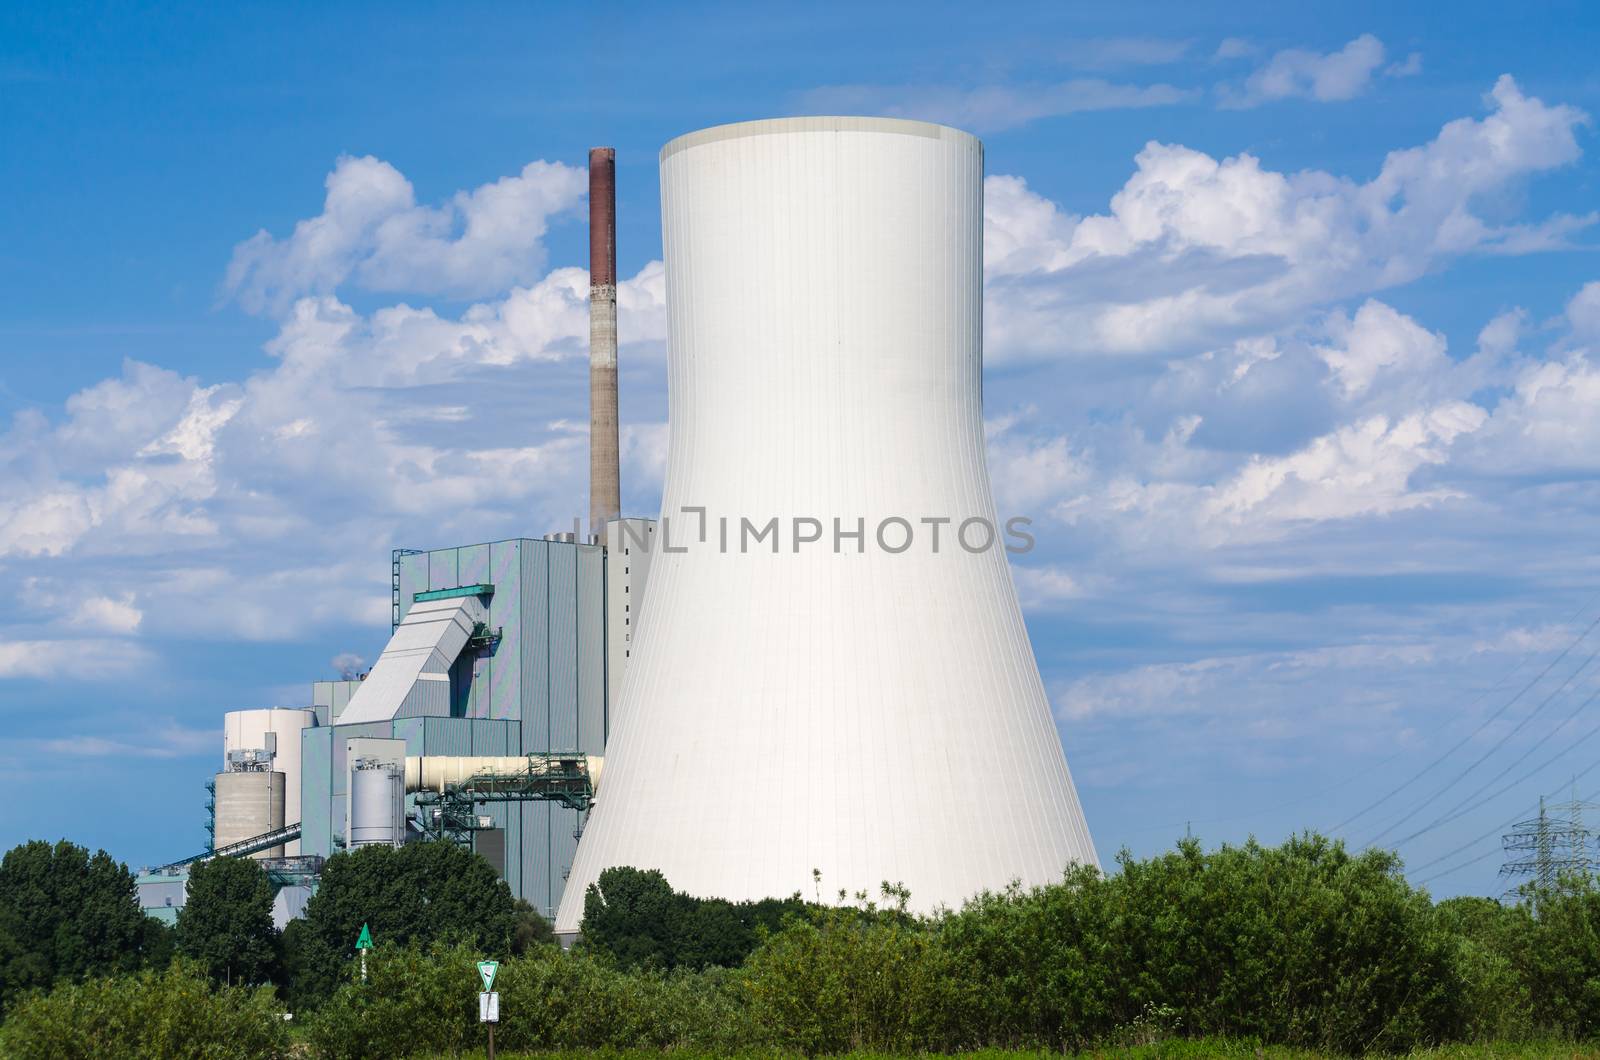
point(67, 916)
point(1303, 944)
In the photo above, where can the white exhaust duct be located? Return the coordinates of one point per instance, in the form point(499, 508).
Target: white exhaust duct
point(437, 772)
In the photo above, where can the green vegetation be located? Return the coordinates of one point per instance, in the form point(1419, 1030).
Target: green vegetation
point(1302, 949)
point(641, 921)
point(65, 915)
point(225, 926)
point(410, 896)
point(173, 1014)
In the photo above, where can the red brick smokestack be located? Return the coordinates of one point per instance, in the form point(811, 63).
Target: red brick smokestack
point(605, 491)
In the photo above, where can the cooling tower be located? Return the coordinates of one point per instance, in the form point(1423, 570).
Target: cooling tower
point(830, 670)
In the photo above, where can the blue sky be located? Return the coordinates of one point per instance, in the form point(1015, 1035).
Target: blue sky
point(1293, 354)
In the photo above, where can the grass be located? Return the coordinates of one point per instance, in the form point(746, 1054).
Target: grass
point(1174, 1049)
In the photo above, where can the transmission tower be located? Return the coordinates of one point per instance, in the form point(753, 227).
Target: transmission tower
point(1553, 846)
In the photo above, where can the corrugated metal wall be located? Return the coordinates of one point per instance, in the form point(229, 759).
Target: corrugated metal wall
point(590, 736)
point(542, 688)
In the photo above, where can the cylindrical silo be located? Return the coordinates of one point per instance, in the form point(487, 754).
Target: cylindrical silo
point(249, 803)
point(249, 730)
point(831, 639)
point(377, 804)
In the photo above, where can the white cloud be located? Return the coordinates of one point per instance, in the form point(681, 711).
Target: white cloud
point(165, 740)
point(401, 421)
point(1363, 468)
point(1297, 73)
point(372, 232)
point(1195, 250)
point(1046, 588)
point(1410, 66)
point(1379, 343)
point(106, 615)
point(71, 661)
point(1583, 311)
point(988, 108)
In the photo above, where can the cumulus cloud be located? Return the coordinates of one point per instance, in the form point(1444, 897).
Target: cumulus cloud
point(372, 232)
point(1296, 73)
point(236, 495)
point(988, 108)
point(1194, 249)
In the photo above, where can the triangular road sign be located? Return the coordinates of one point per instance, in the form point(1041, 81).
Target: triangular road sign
point(365, 941)
point(486, 970)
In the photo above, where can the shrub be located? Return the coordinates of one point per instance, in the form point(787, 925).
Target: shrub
point(425, 1003)
point(855, 978)
point(414, 895)
point(176, 1013)
point(415, 1002)
point(1561, 959)
point(1302, 944)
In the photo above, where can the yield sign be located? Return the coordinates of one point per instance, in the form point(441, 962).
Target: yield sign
point(365, 941)
point(486, 970)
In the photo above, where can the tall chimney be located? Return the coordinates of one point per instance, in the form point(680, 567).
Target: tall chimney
point(605, 492)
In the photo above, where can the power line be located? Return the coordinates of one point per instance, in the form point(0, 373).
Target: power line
point(1496, 831)
point(1534, 713)
point(1473, 734)
point(1462, 808)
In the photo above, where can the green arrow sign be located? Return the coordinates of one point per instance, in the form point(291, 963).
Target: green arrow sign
point(365, 941)
point(486, 970)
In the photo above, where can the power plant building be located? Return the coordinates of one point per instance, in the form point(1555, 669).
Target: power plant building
point(528, 676)
point(804, 664)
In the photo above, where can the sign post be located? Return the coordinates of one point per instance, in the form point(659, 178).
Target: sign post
point(489, 1000)
point(363, 944)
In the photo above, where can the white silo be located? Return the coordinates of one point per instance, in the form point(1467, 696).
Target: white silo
point(275, 730)
point(864, 706)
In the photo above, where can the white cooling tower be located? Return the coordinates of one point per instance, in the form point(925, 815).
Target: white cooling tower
point(869, 706)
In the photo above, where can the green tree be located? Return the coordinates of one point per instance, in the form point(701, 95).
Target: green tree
point(636, 917)
point(410, 895)
point(531, 930)
point(65, 915)
point(225, 925)
point(1560, 958)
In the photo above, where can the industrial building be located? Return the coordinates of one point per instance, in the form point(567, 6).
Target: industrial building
point(874, 706)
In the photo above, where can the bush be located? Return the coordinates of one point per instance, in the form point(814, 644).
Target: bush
point(1561, 959)
point(425, 1003)
point(171, 1014)
point(1302, 944)
point(415, 1002)
point(847, 978)
point(1489, 944)
point(413, 895)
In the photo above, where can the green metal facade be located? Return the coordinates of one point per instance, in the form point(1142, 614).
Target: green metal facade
point(538, 685)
